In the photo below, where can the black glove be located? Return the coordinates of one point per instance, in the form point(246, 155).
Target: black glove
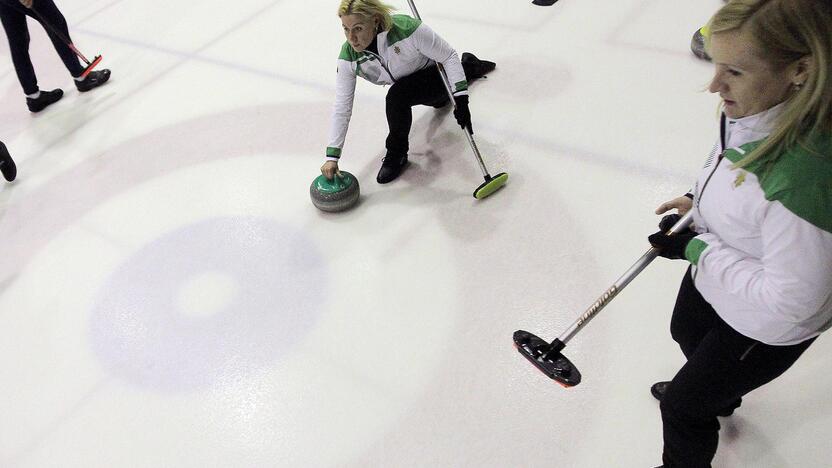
point(462, 113)
point(668, 221)
point(672, 247)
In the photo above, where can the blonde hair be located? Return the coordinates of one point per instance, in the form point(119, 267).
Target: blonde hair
point(370, 9)
point(786, 31)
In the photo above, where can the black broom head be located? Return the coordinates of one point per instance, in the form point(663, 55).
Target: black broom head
point(547, 358)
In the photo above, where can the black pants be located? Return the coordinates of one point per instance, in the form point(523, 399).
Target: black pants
point(13, 16)
point(722, 366)
point(423, 87)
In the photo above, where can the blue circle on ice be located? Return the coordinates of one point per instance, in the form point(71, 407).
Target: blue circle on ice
point(209, 302)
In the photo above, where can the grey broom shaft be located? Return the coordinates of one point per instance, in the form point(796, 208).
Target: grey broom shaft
point(453, 103)
point(621, 283)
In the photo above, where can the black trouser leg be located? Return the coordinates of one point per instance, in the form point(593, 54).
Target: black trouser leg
point(723, 365)
point(423, 87)
point(692, 317)
point(14, 23)
point(50, 14)
point(13, 16)
point(470, 73)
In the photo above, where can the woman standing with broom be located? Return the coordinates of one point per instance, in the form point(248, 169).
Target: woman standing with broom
point(759, 291)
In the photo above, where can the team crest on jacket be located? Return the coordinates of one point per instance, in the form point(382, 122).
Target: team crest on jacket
point(397, 50)
point(740, 179)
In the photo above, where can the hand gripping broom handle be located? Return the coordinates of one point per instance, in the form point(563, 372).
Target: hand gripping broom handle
point(622, 282)
point(453, 103)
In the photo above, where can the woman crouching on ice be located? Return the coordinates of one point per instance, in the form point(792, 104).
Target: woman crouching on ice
point(401, 51)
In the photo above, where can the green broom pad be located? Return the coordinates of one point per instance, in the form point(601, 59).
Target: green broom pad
point(490, 186)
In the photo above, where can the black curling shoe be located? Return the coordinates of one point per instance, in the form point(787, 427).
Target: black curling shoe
point(391, 167)
point(93, 80)
point(479, 68)
point(7, 166)
point(46, 98)
point(660, 388)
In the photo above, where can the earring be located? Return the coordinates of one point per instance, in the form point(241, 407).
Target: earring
point(797, 86)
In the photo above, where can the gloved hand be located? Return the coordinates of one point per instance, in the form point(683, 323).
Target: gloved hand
point(673, 246)
point(462, 113)
point(668, 221)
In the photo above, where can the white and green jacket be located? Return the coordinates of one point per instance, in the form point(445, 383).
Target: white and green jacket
point(763, 255)
point(409, 46)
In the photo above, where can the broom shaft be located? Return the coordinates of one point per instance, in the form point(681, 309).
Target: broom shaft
point(61, 36)
point(450, 92)
point(621, 283)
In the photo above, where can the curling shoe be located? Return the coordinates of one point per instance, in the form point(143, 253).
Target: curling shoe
point(7, 166)
point(479, 68)
point(46, 98)
point(391, 167)
point(93, 80)
point(660, 388)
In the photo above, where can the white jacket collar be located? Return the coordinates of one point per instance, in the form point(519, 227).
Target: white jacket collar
point(751, 128)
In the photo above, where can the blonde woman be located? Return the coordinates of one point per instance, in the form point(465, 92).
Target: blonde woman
point(759, 290)
point(401, 51)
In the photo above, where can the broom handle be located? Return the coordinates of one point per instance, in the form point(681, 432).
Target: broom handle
point(450, 92)
point(60, 36)
point(622, 282)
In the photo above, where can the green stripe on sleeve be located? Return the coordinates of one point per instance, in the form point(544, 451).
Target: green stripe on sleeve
point(333, 152)
point(461, 86)
point(694, 250)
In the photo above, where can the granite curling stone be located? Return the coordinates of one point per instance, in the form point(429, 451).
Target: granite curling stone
point(339, 194)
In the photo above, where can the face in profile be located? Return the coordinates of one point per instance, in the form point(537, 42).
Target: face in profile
point(745, 80)
point(359, 30)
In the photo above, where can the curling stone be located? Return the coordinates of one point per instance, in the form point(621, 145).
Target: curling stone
point(338, 194)
point(697, 43)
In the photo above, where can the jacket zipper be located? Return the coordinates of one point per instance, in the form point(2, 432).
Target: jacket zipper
point(718, 161)
point(383, 65)
point(722, 124)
